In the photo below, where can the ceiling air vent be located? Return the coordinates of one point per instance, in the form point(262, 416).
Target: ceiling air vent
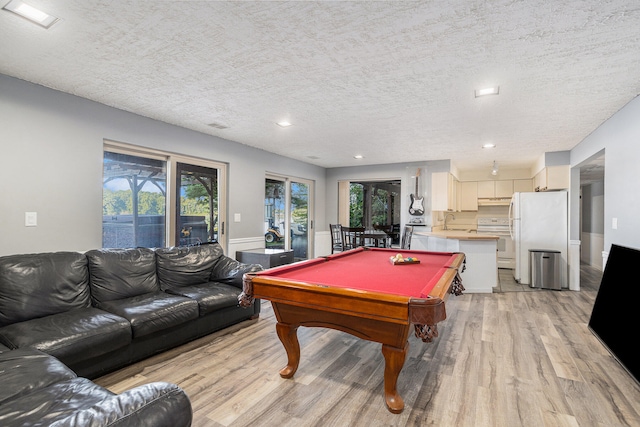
point(218, 126)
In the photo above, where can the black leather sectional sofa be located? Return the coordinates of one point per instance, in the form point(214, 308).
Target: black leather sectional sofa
point(68, 315)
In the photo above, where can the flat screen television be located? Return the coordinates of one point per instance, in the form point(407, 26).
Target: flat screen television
point(614, 319)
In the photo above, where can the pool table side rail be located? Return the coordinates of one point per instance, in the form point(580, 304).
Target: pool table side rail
point(372, 305)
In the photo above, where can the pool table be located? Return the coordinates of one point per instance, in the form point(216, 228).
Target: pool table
point(363, 293)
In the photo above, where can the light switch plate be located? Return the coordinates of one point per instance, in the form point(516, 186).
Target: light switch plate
point(614, 223)
point(237, 217)
point(30, 219)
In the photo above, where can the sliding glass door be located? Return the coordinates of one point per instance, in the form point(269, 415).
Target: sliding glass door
point(288, 215)
point(300, 222)
point(274, 214)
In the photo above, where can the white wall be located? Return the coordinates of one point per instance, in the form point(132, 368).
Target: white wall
point(619, 136)
point(51, 163)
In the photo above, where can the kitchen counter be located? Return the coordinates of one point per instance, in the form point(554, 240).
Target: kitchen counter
point(481, 250)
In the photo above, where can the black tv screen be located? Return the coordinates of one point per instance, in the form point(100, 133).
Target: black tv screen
point(614, 319)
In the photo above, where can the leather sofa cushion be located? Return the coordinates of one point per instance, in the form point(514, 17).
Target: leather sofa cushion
point(45, 406)
point(230, 271)
point(121, 273)
point(71, 336)
point(153, 312)
point(26, 370)
point(210, 296)
point(37, 285)
point(155, 404)
point(187, 265)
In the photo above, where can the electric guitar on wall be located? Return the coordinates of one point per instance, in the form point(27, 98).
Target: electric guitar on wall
point(417, 203)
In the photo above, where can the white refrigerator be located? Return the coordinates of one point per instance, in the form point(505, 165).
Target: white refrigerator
point(539, 221)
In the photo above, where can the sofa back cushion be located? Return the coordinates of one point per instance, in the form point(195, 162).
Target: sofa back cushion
point(37, 285)
point(187, 265)
point(121, 273)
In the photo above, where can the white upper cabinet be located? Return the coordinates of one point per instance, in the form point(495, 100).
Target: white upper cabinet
point(443, 192)
point(504, 189)
point(468, 196)
point(522, 185)
point(553, 178)
point(486, 190)
point(495, 189)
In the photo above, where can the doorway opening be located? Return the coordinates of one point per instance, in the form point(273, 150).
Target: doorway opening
point(592, 211)
point(374, 205)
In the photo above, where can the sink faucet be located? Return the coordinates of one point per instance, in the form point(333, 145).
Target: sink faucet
point(445, 219)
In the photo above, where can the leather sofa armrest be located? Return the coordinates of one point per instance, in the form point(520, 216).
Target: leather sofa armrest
point(229, 271)
point(155, 404)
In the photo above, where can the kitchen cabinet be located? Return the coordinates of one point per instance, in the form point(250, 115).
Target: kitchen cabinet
point(481, 273)
point(540, 180)
point(468, 200)
point(502, 188)
point(443, 192)
point(522, 185)
point(553, 178)
point(486, 190)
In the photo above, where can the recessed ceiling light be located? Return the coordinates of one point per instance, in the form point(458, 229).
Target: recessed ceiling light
point(358, 156)
point(488, 91)
point(31, 13)
point(284, 124)
point(488, 145)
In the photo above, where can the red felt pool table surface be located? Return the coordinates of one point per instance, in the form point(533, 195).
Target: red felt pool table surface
point(371, 270)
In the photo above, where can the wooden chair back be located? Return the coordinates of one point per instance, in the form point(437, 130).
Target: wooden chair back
point(336, 238)
point(406, 237)
point(352, 237)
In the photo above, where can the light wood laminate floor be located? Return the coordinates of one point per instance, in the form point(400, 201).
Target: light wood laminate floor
point(503, 359)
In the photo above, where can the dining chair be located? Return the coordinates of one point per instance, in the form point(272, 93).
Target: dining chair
point(406, 237)
point(336, 238)
point(352, 237)
point(395, 234)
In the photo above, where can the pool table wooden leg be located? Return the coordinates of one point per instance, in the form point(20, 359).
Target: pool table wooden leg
point(393, 362)
point(288, 335)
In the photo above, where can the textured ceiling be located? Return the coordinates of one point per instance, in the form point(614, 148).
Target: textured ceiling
point(391, 80)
